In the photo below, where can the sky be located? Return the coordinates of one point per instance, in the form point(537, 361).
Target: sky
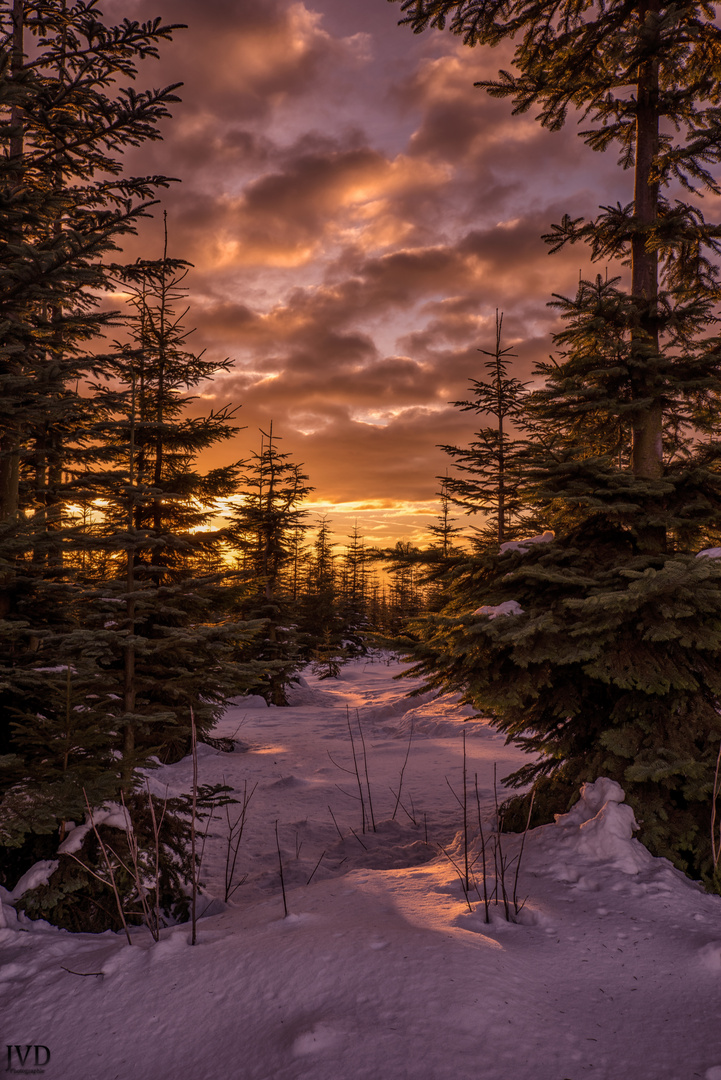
point(356, 211)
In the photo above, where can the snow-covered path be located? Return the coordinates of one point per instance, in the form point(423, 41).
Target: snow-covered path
point(613, 971)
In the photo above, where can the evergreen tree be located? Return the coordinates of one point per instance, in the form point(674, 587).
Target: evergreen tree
point(66, 203)
point(142, 636)
point(64, 122)
point(264, 532)
point(444, 531)
point(319, 624)
point(353, 592)
point(443, 555)
point(407, 574)
point(176, 640)
point(489, 479)
point(609, 661)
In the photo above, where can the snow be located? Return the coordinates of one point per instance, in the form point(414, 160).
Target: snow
point(38, 874)
point(710, 553)
point(383, 968)
point(508, 607)
point(111, 814)
point(521, 546)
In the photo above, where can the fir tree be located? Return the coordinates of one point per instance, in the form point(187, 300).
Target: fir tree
point(489, 476)
point(353, 592)
point(444, 531)
point(175, 641)
point(64, 122)
point(264, 533)
point(320, 624)
point(610, 665)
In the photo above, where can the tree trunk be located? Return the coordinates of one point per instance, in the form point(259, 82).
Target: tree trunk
point(647, 455)
point(9, 449)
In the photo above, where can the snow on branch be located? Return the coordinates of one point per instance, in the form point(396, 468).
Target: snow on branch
point(521, 546)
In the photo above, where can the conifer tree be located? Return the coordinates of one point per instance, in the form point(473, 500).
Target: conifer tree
point(488, 476)
point(444, 531)
point(65, 118)
point(609, 663)
point(319, 622)
point(64, 123)
point(353, 591)
point(442, 558)
point(143, 635)
point(175, 642)
point(264, 533)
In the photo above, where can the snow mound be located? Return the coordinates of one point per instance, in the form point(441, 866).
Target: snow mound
point(593, 797)
point(522, 546)
point(710, 553)
point(288, 782)
point(401, 707)
point(710, 957)
point(250, 701)
point(508, 607)
point(111, 814)
point(301, 693)
point(600, 828)
point(442, 716)
point(38, 874)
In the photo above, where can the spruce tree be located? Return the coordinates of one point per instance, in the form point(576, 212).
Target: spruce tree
point(264, 533)
point(353, 592)
point(172, 650)
point(320, 624)
point(488, 473)
point(65, 118)
point(609, 662)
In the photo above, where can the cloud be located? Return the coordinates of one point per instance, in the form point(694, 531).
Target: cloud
point(243, 59)
point(356, 212)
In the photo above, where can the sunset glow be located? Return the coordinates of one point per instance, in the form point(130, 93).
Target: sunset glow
point(356, 211)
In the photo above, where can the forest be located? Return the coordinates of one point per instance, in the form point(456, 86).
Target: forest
point(580, 610)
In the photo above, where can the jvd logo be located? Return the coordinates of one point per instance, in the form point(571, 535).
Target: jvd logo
point(27, 1056)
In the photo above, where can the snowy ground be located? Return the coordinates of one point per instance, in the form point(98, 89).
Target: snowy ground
point(613, 970)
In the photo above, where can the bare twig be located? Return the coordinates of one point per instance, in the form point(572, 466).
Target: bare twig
point(498, 848)
point(357, 773)
point(338, 764)
point(234, 835)
point(460, 875)
point(465, 815)
point(315, 868)
point(335, 823)
point(280, 870)
point(408, 814)
point(483, 850)
point(365, 766)
point(520, 853)
point(358, 838)
point(136, 874)
point(109, 868)
point(716, 850)
point(403, 769)
point(453, 793)
point(193, 868)
point(157, 825)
